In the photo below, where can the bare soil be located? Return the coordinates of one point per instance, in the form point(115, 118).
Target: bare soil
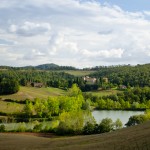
point(132, 138)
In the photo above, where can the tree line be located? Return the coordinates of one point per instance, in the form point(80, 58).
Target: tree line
point(133, 98)
point(127, 75)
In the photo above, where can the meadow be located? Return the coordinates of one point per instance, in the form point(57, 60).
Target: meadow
point(33, 92)
point(101, 93)
point(79, 73)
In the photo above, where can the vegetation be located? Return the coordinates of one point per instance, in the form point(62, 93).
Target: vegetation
point(127, 75)
point(33, 92)
point(47, 95)
point(106, 125)
point(131, 138)
point(8, 86)
point(132, 98)
point(138, 119)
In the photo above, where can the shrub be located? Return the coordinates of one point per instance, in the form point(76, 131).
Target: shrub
point(2, 128)
point(21, 127)
point(89, 128)
point(38, 128)
point(106, 125)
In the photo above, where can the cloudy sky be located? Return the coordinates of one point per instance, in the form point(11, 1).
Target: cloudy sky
point(80, 33)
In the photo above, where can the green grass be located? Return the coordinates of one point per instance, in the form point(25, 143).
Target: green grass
point(33, 92)
point(104, 92)
point(8, 107)
point(79, 73)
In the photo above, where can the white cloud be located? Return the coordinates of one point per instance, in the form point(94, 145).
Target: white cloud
point(72, 32)
point(113, 53)
point(30, 28)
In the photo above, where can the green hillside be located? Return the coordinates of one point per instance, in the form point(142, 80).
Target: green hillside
point(33, 92)
point(132, 138)
point(79, 73)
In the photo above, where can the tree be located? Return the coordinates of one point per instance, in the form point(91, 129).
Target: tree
point(106, 125)
point(118, 124)
point(74, 91)
point(2, 128)
point(136, 119)
point(9, 86)
point(70, 122)
point(29, 108)
point(89, 128)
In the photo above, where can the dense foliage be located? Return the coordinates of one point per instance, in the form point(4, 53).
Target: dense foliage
point(138, 119)
point(8, 86)
point(134, 98)
point(106, 125)
point(125, 75)
point(54, 106)
point(48, 78)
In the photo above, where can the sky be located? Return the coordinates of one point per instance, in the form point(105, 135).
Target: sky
point(79, 33)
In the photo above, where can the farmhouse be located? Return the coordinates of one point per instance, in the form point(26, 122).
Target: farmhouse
point(89, 79)
point(35, 84)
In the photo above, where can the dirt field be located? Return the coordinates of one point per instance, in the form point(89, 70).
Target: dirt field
point(133, 138)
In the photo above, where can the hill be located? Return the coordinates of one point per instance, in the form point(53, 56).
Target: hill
point(132, 138)
point(127, 75)
point(50, 66)
point(33, 92)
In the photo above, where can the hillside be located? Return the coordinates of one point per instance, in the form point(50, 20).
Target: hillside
point(132, 138)
point(128, 75)
point(33, 92)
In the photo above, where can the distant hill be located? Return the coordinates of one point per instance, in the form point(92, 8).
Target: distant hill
point(50, 66)
point(47, 66)
point(54, 67)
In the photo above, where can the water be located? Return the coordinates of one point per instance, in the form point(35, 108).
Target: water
point(123, 115)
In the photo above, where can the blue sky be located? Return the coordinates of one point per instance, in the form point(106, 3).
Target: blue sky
point(81, 33)
point(130, 5)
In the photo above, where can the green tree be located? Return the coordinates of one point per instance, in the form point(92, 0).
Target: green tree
point(2, 128)
point(106, 125)
point(89, 128)
point(29, 108)
point(70, 122)
point(118, 124)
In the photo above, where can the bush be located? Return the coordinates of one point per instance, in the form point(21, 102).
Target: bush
point(2, 128)
point(89, 128)
point(106, 125)
point(21, 127)
point(63, 129)
point(38, 128)
point(136, 119)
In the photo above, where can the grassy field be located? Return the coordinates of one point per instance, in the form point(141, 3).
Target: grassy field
point(78, 72)
point(104, 92)
point(8, 107)
point(132, 138)
point(33, 92)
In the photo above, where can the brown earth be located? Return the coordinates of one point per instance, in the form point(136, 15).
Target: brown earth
point(132, 138)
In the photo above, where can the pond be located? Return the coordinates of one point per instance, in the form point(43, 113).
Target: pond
point(123, 115)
